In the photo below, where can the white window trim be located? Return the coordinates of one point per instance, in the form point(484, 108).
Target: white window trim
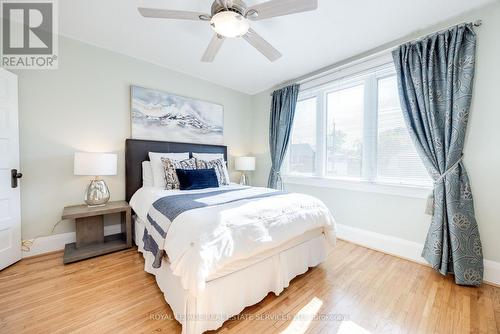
point(404, 190)
point(319, 88)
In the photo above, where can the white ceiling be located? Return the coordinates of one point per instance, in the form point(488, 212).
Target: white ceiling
point(309, 41)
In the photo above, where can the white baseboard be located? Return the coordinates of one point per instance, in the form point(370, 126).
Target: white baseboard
point(57, 242)
point(391, 245)
point(405, 249)
point(492, 272)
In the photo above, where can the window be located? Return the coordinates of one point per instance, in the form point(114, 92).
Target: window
point(350, 127)
point(397, 159)
point(344, 143)
point(302, 149)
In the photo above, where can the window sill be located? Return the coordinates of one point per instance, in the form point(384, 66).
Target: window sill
point(363, 186)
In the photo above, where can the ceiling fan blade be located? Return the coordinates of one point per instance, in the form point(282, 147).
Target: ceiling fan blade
point(173, 14)
point(262, 45)
point(275, 8)
point(212, 49)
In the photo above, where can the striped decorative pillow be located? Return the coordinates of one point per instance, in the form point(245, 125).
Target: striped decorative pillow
point(220, 169)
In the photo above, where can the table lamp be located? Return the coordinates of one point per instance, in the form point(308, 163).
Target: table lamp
point(244, 164)
point(96, 165)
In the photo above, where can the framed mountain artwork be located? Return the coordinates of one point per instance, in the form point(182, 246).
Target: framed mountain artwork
point(158, 115)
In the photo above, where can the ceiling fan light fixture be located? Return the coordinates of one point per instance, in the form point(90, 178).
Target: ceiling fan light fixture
point(230, 24)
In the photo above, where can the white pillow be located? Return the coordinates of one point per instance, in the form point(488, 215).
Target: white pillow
point(157, 166)
point(208, 156)
point(147, 174)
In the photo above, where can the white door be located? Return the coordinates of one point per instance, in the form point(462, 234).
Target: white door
point(10, 199)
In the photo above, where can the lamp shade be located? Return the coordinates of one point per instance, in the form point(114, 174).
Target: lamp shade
point(245, 163)
point(95, 164)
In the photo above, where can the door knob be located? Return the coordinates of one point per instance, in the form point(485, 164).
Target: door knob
point(14, 176)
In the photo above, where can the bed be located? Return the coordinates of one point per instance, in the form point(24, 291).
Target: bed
point(264, 239)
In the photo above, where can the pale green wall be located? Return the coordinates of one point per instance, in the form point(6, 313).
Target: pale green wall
point(85, 105)
point(402, 216)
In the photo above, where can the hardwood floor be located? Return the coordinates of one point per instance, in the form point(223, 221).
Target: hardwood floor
point(357, 290)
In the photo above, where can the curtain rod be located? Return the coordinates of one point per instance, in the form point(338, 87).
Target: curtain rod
point(476, 23)
point(332, 68)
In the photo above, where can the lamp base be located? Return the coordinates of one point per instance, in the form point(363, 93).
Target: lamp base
point(97, 193)
point(96, 206)
point(244, 181)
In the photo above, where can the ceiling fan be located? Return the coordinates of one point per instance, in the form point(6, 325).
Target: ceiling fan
point(231, 18)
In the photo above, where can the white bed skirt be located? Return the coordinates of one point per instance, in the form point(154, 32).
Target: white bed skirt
point(227, 296)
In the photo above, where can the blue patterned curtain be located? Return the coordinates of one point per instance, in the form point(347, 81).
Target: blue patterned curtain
point(280, 126)
point(435, 77)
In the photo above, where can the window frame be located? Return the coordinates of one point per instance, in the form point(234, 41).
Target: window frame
point(368, 73)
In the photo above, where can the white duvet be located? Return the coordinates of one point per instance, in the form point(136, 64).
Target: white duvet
point(201, 240)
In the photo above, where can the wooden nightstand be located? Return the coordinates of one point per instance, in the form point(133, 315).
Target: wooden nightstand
point(90, 239)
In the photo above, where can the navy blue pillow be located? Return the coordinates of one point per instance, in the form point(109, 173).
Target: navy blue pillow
point(190, 179)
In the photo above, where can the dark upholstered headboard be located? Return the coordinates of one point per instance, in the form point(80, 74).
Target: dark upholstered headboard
point(136, 151)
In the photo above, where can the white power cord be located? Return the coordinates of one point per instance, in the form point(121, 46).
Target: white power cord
point(28, 243)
